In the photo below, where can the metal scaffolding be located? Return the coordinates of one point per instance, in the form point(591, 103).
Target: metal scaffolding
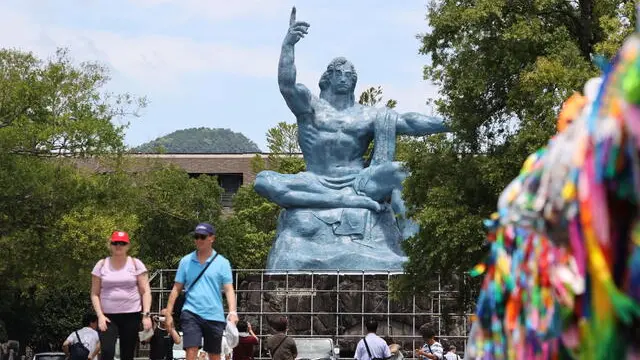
point(337, 304)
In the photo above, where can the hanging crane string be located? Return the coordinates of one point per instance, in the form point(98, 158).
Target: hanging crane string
point(562, 277)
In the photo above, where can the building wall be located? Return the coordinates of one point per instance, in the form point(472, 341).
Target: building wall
point(212, 164)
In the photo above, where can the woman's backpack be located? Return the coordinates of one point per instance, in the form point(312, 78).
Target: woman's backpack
point(78, 351)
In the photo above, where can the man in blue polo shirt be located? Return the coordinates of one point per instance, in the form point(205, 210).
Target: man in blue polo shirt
point(202, 314)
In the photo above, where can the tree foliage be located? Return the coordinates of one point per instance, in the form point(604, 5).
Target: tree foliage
point(284, 150)
point(56, 216)
point(200, 140)
point(169, 205)
point(373, 96)
point(55, 107)
point(504, 68)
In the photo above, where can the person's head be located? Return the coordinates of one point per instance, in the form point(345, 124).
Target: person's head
point(388, 340)
point(427, 334)
point(340, 78)
point(119, 243)
point(371, 325)
point(280, 325)
point(90, 320)
point(204, 235)
point(242, 326)
point(452, 349)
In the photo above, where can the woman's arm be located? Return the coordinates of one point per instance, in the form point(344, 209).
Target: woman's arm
point(96, 285)
point(145, 291)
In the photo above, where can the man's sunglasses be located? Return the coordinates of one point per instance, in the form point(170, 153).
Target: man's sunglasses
point(200, 237)
point(118, 243)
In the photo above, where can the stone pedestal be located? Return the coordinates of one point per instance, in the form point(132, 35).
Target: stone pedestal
point(337, 306)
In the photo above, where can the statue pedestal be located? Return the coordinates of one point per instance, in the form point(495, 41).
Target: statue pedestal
point(337, 239)
point(337, 305)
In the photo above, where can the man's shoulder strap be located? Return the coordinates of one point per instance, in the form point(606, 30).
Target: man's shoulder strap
point(278, 347)
point(202, 272)
point(367, 346)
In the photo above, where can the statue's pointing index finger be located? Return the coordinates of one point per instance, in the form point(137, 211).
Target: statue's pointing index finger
point(292, 18)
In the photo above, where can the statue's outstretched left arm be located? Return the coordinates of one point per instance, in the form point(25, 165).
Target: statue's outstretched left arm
point(419, 124)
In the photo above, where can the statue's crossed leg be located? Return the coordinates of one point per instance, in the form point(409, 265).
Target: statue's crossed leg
point(366, 189)
point(307, 190)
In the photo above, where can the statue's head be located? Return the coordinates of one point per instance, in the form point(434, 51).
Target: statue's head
point(340, 78)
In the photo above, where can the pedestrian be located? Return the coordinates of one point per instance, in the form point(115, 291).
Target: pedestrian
point(83, 344)
point(396, 349)
point(451, 354)
point(163, 339)
point(431, 349)
point(120, 295)
point(248, 340)
point(204, 275)
point(280, 345)
point(372, 347)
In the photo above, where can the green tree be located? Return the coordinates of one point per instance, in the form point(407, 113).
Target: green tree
point(169, 205)
point(54, 107)
point(373, 96)
point(504, 68)
point(246, 236)
point(54, 216)
point(284, 151)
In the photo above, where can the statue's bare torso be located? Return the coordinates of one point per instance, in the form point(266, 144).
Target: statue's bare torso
point(333, 141)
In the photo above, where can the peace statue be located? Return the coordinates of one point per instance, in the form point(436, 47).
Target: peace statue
point(340, 214)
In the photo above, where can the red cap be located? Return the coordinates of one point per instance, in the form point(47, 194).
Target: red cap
point(120, 236)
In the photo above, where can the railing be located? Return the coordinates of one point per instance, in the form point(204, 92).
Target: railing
point(337, 304)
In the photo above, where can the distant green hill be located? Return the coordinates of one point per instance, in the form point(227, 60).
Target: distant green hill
point(200, 140)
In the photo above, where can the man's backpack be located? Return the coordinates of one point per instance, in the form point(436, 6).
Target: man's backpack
point(78, 351)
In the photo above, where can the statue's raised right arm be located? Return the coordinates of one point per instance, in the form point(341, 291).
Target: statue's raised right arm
point(297, 96)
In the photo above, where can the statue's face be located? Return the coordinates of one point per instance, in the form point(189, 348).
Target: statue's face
point(342, 79)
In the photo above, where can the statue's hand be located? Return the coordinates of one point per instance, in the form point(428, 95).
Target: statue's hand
point(297, 29)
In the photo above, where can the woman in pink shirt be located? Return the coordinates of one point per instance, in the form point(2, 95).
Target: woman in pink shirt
point(119, 293)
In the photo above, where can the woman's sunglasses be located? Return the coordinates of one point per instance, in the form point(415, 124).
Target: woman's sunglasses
point(200, 237)
point(118, 243)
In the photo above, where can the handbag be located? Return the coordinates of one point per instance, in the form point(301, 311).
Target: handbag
point(78, 351)
point(177, 308)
